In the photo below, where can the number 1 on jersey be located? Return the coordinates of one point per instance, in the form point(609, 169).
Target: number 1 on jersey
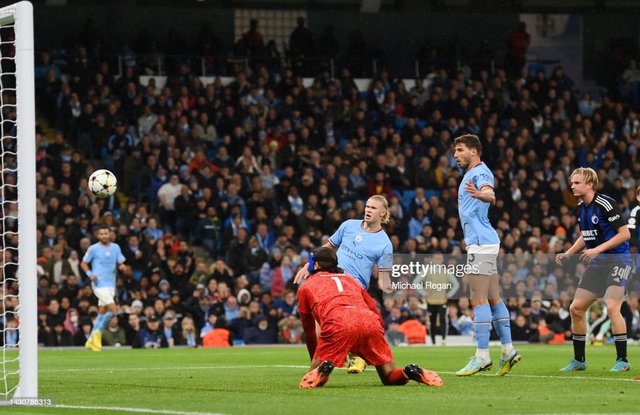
point(338, 284)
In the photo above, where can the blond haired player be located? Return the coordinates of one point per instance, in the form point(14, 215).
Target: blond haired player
point(603, 245)
point(361, 245)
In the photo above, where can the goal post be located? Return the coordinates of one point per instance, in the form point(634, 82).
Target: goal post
point(17, 86)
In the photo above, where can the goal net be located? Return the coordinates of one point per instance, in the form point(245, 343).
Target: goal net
point(18, 244)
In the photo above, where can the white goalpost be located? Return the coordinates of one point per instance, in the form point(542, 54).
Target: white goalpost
point(18, 279)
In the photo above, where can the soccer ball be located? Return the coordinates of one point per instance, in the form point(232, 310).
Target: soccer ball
point(103, 183)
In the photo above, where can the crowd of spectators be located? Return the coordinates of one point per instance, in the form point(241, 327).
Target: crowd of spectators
point(225, 189)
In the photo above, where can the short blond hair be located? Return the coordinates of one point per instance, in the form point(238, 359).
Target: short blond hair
point(588, 174)
point(385, 203)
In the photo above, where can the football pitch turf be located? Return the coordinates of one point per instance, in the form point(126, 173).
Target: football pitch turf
point(264, 380)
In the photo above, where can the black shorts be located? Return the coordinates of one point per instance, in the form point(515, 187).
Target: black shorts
point(597, 279)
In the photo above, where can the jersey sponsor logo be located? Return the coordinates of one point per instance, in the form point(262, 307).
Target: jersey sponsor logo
point(614, 218)
point(590, 235)
point(595, 219)
point(351, 252)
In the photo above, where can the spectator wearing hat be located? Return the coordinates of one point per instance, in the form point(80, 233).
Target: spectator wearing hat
point(136, 307)
point(151, 336)
point(164, 288)
point(170, 329)
point(243, 297)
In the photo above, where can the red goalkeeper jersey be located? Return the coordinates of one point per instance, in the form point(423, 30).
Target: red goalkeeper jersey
point(349, 320)
point(325, 293)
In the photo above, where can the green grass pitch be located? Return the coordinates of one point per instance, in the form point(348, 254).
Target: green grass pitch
point(265, 381)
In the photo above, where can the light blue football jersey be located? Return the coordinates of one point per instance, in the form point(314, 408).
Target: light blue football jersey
point(103, 261)
point(474, 213)
point(359, 250)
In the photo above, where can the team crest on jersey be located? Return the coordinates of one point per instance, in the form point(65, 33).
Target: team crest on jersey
point(107, 254)
point(358, 238)
point(595, 219)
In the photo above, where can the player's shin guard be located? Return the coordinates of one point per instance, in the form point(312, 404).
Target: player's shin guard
point(502, 324)
point(621, 346)
point(482, 327)
point(579, 342)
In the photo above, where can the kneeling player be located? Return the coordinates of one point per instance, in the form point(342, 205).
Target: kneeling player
point(349, 321)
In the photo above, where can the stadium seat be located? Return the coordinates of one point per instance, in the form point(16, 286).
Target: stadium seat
point(407, 197)
point(431, 192)
point(400, 123)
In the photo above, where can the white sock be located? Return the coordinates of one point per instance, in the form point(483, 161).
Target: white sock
point(507, 349)
point(483, 354)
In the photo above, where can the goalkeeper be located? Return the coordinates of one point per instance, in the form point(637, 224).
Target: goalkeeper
point(349, 321)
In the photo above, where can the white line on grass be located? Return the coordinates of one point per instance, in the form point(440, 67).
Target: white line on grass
point(140, 410)
point(126, 369)
point(511, 375)
point(553, 377)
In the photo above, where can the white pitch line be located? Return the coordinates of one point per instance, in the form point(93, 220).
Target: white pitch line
point(139, 410)
point(511, 375)
point(126, 369)
point(553, 377)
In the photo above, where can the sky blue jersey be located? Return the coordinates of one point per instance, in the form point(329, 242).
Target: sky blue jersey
point(474, 213)
point(359, 250)
point(103, 261)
